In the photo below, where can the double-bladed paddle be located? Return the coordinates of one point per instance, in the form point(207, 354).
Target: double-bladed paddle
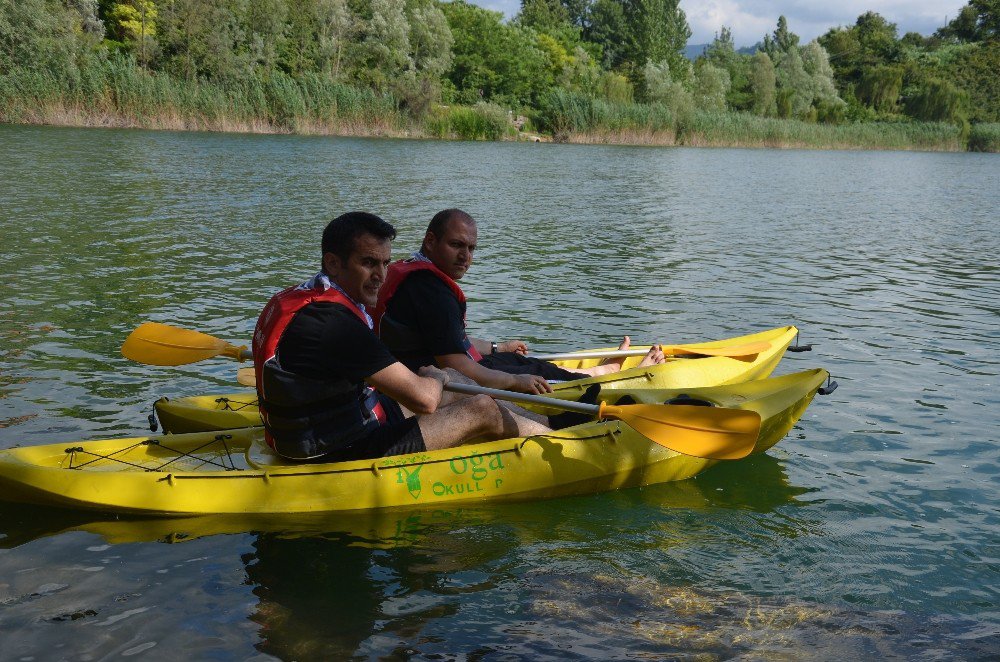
point(708, 432)
point(161, 344)
point(713, 433)
point(154, 343)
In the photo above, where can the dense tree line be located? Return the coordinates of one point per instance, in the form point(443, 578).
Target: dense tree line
point(427, 52)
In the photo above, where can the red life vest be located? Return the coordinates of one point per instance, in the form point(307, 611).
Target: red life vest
point(397, 273)
point(305, 417)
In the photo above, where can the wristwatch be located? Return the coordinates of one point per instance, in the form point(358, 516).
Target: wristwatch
point(494, 347)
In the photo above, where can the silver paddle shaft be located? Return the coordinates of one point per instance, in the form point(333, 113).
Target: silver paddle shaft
point(568, 405)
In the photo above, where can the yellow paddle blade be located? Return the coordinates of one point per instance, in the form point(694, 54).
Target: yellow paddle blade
point(161, 344)
point(748, 350)
point(246, 376)
point(709, 432)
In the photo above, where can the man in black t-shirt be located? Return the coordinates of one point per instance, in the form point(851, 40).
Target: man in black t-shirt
point(313, 387)
point(422, 317)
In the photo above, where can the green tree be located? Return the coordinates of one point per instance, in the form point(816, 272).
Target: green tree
point(939, 101)
point(816, 62)
point(661, 87)
point(493, 60)
point(763, 85)
point(795, 85)
point(262, 30)
point(202, 39)
point(615, 87)
point(988, 18)
point(580, 74)
point(336, 26)
point(316, 35)
point(782, 40)
point(977, 21)
point(964, 27)
point(657, 32)
point(430, 39)
point(578, 12)
point(543, 15)
point(870, 42)
point(722, 53)
point(386, 44)
point(133, 22)
point(47, 35)
point(880, 87)
point(711, 85)
point(976, 72)
point(430, 57)
point(608, 29)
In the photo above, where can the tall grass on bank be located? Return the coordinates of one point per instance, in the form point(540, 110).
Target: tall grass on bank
point(578, 118)
point(984, 138)
point(117, 92)
point(564, 113)
point(483, 121)
point(746, 130)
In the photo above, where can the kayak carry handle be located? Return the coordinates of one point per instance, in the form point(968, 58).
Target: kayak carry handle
point(830, 387)
point(799, 348)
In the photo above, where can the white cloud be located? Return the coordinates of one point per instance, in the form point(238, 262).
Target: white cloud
point(750, 20)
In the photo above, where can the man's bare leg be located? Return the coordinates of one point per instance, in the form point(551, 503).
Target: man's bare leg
point(652, 357)
point(450, 397)
point(471, 417)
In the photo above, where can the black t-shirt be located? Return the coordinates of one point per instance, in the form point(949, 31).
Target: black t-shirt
point(425, 304)
point(326, 340)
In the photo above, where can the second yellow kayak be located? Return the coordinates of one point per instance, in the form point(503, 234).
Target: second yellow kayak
point(239, 409)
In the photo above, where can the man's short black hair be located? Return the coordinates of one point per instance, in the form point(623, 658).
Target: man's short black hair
point(440, 220)
point(340, 233)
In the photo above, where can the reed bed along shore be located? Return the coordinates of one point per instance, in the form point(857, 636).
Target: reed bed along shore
point(113, 93)
point(744, 130)
point(984, 138)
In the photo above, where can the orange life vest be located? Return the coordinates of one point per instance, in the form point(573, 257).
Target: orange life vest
point(306, 417)
point(398, 272)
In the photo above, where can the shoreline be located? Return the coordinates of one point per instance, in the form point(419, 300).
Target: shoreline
point(77, 116)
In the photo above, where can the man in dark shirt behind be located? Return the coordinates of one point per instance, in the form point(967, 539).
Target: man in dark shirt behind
point(421, 317)
point(327, 386)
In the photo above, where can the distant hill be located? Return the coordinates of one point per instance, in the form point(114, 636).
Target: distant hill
point(692, 51)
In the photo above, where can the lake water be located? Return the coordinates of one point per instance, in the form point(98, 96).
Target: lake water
point(872, 530)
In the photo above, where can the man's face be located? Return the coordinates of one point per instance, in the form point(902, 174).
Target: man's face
point(363, 274)
point(452, 251)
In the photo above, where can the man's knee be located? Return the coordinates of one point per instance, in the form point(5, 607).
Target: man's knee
point(486, 410)
point(484, 404)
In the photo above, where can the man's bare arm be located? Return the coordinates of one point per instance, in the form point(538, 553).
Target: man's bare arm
point(421, 393)
point(493, 378)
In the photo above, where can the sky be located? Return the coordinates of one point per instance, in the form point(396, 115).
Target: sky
point(750, 20)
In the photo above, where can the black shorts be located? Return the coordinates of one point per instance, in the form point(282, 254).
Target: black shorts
point(399, 436)
point(518, 364)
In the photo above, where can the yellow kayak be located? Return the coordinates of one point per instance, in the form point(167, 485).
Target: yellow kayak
point(234, 471)
point(239, 409)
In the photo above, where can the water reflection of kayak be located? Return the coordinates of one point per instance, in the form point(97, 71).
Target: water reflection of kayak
point(234, 471)
point(386, 528)
point(239, 409)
